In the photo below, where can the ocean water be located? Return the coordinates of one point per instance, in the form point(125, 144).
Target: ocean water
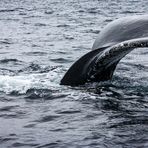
point(39, 41)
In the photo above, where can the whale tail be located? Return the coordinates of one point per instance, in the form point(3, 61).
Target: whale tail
point(76, 75)
point(100, 64)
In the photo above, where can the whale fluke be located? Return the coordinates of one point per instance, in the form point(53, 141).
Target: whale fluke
point(102, 64)
point(77, 75)
point(108, 49)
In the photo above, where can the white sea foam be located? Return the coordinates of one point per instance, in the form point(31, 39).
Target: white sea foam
point(21, 83)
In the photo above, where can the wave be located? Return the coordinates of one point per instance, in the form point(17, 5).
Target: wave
point(3, 61)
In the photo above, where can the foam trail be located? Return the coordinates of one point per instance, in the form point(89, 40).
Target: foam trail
point(21, 83)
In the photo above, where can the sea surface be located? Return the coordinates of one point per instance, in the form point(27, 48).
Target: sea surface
point(39, 41)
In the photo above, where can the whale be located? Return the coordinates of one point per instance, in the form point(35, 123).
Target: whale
point(114, 41)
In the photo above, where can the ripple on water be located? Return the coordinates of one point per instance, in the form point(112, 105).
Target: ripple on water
point(6, 42)
point(48, 118)
point(36, 53)
point(5, 61)
point(61, 60)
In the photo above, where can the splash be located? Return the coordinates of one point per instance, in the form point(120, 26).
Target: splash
point(22, 83)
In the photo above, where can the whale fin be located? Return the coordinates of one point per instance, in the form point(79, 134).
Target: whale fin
point(99, 65)
point(76, 75)
point(102, 73)
point(105, 64)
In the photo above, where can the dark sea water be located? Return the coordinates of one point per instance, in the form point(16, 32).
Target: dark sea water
point(39, 40)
